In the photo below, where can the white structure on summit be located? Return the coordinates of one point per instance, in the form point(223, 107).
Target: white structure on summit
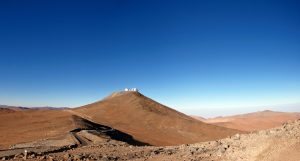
point(132, 89)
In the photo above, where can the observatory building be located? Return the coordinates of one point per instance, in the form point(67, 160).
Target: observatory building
point(132, 89)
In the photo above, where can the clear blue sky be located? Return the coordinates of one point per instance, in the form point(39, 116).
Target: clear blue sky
point(196, 56)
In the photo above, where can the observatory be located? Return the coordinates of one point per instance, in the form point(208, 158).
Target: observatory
point(132, 89)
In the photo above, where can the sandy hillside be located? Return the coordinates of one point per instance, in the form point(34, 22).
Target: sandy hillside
point(149, 121)
point(30, 127)
point(254, 121)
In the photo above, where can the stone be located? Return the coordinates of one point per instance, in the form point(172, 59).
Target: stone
point(66, 156)
point(18, 156)
point(32, 155)
point(77, 157)
point(237, 137)
point(157, 151)
point(170, 152)
point(104, 158)
point(222, 150)
point(193, 150)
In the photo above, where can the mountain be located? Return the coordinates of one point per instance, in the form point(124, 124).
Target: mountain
point(198, 118)
point(12, 108)
point(149, 121)
point(254, 121)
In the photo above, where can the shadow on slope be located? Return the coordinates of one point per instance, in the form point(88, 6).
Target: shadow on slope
point(84, 124)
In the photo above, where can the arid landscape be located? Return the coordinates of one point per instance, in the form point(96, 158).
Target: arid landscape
point(131, 126)
point(150, 80)
point(251, 122)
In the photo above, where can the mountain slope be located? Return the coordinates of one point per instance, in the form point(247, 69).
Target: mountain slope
point(33, 126)
point(254, 121)
point(198, 118)
point(149, 121)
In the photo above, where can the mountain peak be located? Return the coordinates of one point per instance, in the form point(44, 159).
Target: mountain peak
point(123, 93)
point(149, 121)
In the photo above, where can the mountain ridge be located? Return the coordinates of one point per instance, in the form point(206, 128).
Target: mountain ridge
point(254, 121)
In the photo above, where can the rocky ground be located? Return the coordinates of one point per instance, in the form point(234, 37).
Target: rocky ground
point(277, 144)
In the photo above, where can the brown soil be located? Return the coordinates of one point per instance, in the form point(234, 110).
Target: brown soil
point(278, 144)
point(30, 125)
point(149, 121)
point(254, 121)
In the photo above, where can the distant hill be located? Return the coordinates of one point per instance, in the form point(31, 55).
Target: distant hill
point(198, 118)
point(13, 107)
point(26, 108)
point(149, 121)
point(254, 121)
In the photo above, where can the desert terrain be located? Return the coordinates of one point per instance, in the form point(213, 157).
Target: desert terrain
point(277, 144)
point(131, 126)
point(254, 121)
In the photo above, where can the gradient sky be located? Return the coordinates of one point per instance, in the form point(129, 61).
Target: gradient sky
point(200, 57)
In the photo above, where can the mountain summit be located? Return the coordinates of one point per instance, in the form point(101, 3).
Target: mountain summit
point(149, 121)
